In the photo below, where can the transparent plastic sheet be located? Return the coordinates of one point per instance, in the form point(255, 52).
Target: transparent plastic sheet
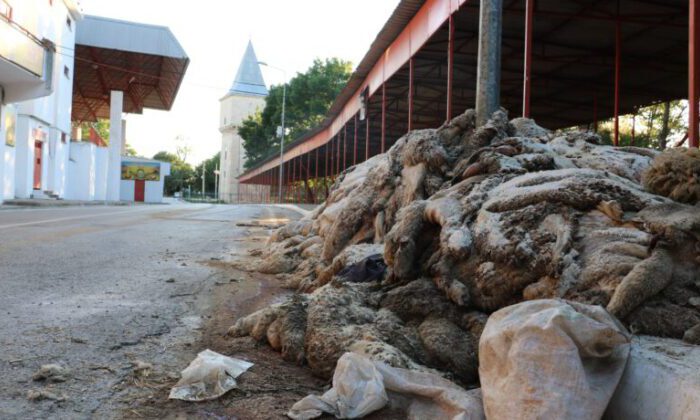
point(361, 386)
point(209, 376)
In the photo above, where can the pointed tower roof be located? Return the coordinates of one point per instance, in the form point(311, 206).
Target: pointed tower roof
point(249, 79)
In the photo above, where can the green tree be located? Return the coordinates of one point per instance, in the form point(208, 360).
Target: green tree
point(210, 165)
point(656, 126)
point(309, 96)
point(181, 173)
point(130, 151)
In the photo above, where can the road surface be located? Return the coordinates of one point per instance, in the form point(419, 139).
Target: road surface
point(96, 289)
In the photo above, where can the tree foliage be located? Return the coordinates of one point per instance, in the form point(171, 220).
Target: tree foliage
point(181, 173)
point(309, 96)
point(657, 126)
point(210, 165)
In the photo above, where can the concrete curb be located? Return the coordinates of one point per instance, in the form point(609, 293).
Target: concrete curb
point(17, 203)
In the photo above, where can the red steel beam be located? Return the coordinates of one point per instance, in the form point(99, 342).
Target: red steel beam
point(345, 147)
point(410, 94)
point(383, 117)
point(308, 174)
point(316, 183)
point(354, 154)
point(450, 64)
point(618, 54)
point(367, 137)
point(693, 41)
point(527, 65)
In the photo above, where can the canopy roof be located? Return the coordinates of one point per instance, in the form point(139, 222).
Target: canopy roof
point(146, 62)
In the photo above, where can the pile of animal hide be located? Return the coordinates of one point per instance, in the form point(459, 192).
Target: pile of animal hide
point(473, 219)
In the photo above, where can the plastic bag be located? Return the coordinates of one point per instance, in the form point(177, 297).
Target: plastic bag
point(209, 376)
point(551, 359)
point(360, 386)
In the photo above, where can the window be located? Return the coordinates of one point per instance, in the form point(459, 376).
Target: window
point(66, 72)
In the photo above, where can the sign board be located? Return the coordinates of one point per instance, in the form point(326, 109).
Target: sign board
point(141, 171)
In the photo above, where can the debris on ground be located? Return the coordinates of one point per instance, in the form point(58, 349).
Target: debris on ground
point(209, 376)
point(43, 394)
point(471, 220)
point(51, 373)
point(361, 387)
point(142, 369)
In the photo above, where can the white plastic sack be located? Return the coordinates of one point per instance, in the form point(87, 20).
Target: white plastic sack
point(551, 359)
point(360, 387)
point(209, 376)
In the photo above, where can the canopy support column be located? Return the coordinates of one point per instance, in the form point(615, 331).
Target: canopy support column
point(488, 71)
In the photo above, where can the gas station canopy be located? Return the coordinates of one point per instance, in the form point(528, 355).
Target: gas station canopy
point(146, 62)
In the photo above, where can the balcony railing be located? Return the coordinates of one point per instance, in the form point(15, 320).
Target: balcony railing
point(20, 46)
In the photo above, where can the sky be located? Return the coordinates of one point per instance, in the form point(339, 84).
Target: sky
point(286, 33)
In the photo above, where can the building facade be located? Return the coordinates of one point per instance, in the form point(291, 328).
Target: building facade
point(36, 86)
point(246, 96)
point(58, 67)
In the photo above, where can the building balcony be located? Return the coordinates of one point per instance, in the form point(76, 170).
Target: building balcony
point(25, 63)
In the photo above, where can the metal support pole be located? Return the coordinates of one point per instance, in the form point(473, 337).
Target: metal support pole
point(316, 183)
point(284, 103)
point(367, 137)
point(488, 71)
point(450, 65)
point(354, 154)
point(527, 69)
point(345, 146)
point(333, 156)
point(325, 173)
point(337, 151)
point(618, 45)
point(308, 176)
point(383, 116)
point(693, 41)
point(410, 94)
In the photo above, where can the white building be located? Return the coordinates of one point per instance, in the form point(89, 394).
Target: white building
point(57, 67)
point(36, 79)
point(246, 96)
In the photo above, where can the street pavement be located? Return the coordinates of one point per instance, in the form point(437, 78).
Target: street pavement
point(97, 288)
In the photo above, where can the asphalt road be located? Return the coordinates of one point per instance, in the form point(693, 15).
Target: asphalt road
point(95, 289)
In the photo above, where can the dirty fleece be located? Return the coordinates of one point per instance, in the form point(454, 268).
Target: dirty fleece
point(470, 220)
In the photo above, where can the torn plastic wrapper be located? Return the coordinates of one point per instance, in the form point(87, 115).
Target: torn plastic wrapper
point(209, 376)
point(360, 387)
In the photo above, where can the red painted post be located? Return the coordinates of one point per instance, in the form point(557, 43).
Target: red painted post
point(325, 173)
point(289, 180)
point(618, 45)
point(345, 146)
point(367, 137)
point(308, 176)
point(354, 153)
point(383, 148)
point(529, 9)
point(410, 94)
point(316, 183)
point(337, 148)
point(450, 65)
point(693, 41)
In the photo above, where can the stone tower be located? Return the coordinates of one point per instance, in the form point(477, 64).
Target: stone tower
point(246, 96)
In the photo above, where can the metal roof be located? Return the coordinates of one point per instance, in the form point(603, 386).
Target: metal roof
point(102, 32)
point(249, 79)
point(146, 62)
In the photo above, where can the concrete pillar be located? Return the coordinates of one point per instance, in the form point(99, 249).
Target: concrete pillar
point(115, 145)
point(123, 137)
point(24, 158)
point(488, 72)
point(2, 152)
